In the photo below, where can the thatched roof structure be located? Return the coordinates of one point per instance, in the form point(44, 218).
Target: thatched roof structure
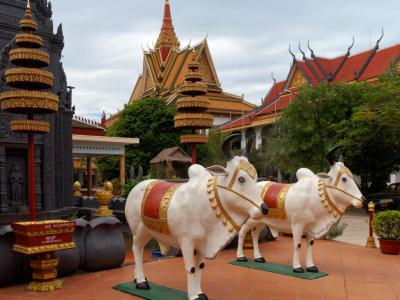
point(175, 154)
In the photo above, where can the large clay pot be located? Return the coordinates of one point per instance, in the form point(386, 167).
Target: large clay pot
point(105, 246)
point(71, 260)
point(389, 246)
point(8, 258)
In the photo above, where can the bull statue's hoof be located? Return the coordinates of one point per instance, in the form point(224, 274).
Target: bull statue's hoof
point(260, 260)
point(312, 269)
point(142, 285)
point(298, 270)
point(241, 259)
point(202, 297)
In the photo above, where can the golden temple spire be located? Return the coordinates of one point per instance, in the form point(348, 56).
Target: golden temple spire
point(28, 13)
point(167, 39)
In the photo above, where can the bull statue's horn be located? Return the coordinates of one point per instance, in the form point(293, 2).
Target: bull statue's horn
point(227, 145)
point(331, 156)
point(249, 146)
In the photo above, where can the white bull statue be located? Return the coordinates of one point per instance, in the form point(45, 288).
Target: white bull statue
point(309, 207)
point(200, 217)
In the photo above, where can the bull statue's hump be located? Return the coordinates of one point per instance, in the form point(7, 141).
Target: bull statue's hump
point(304, 173)
point(197, 173)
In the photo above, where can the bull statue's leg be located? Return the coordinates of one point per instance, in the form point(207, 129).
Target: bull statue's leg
point(190, 267)
point(309, 258)
point(140, 238)
point(297, 231)
point(255, 234)
point(242, 235)
point(199, 270)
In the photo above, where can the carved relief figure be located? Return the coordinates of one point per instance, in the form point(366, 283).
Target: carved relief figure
point(16, 180)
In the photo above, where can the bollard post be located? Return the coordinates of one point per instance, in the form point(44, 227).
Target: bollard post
point(371, 239)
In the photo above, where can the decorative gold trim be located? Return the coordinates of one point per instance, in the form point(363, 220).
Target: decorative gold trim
point(213, 195)
point(25, 126)
point(189, 88)
point(45, 232)
point(28, 24)
point(29, 38)
point(279, 212)
point(17, 75)
point(159, 225)
point(194, 138)
point(194, 120)
point(44, 264)
point(36, 100)
point(192, 102)
point(244, 166)
point(44, 222)
point(343, 170)
point(326, 200)
point(29, 54)
point(44, 287)
point(196, 75)
point(42, 249)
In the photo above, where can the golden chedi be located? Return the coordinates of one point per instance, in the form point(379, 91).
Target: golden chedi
point(29, 80)
point(192, 107)
point(105, 198)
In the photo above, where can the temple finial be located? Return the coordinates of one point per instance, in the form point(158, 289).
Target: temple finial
point(28, 13)
point(167, 39)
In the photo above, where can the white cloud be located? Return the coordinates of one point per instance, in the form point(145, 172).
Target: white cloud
point(248, 39)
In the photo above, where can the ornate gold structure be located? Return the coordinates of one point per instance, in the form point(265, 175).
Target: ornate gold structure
point(28, 77)
point(105, 198)
point(193, 106)
point(371, 239)
point(40, 239)
point(77, 189)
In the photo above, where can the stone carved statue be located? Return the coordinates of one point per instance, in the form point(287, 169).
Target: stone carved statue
point(16, 180)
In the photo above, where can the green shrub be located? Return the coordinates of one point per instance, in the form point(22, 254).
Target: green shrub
point(126, 189)
point(335, 231)
point(387, 224)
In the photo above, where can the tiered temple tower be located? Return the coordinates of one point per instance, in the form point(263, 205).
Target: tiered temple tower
point(192, 107)
point(53, 151)
point(29, 80)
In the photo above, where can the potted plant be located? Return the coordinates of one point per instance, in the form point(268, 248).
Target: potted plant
point(387, 227)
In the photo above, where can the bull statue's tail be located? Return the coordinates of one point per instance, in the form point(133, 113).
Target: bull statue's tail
point(163, 249)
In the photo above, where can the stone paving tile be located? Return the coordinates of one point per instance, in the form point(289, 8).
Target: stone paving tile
point(354, 273)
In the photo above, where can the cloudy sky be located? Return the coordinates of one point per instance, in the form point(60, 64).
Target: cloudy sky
point(248, 39)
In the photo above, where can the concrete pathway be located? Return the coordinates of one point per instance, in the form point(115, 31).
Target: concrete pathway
point(357, 229)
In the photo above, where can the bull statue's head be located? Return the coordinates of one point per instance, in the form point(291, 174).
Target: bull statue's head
point(340, 182)
point(237, 184)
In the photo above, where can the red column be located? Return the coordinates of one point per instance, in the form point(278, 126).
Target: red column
point(31, 176)
point(194, 154)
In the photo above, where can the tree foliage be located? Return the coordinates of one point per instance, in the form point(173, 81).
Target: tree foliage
point(362, 117)
point(151, 120)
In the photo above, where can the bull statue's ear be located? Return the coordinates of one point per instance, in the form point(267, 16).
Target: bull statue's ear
point(324, 176)
point(217, 170)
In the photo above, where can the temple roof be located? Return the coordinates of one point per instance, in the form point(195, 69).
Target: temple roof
point(165, 67)
point(364, 66)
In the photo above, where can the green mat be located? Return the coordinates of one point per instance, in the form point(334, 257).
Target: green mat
point(157, 292)
point(280, 269)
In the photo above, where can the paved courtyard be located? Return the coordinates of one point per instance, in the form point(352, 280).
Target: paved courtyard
point(357, 229)
point(354, 273)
